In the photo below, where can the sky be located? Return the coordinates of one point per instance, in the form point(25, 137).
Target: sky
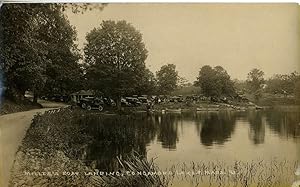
point(238, 37)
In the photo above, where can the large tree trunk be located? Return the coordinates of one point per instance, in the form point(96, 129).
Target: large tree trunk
point(35, 98)
point(118, 102)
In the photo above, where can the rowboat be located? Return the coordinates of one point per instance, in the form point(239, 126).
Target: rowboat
point(173, 110)
point(207, 109)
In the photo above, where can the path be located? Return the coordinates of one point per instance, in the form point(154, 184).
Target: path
point(13, 128)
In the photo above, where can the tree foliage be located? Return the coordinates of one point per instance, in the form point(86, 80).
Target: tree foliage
point(215, 81)
point(297, 90)
point(240, 86)
point(23, 54)
point(255, 79)
point(167, 78)
point(282, 84)
point(147, 83)
point(183, 82)
point(63, 73)
point(80, 7)
point(115, 54)
point(37, 48)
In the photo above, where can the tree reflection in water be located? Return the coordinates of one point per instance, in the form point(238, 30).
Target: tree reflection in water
point(168, 130)
point(121, 135)
point(284, 121)
point(118, 136)
point(257, 127)
point(215, 127)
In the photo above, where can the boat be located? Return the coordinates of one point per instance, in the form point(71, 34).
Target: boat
point(207, 109)
point(143, 111)
point(242, 109)
point(174, 110)
point(258, 107)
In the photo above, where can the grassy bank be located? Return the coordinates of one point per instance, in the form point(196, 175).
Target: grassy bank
point(267, 99)
point(192, 106)
point(53, 152)
point(8, 106)
point(276, 101)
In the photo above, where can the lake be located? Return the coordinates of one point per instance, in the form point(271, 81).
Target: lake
point(175, 138)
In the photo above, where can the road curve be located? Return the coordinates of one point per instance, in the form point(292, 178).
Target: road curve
point(13, 128)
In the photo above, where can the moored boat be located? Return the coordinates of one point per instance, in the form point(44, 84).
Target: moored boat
point(207, 109)
point(258, 107)
point(174, 110)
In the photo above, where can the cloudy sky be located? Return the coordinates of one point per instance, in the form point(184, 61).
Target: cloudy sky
point(238, 37)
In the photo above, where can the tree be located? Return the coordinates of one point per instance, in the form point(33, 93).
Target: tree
point(275, 83)
point(37, 48)
point(255, 79)
point(115, 54)
point(224, 81)
point(147, 83)
point(64, 73)
point(80, 7)
point(22, 54)
point(183, 82)
point(205, 81)
point(297, 90)
point(167, 78)
point(282, 84)
point(215, 81)
point(254, 82)
point(240, 86)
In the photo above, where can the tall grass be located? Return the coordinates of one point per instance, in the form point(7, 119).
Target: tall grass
point(255, 173)
point(135, 171)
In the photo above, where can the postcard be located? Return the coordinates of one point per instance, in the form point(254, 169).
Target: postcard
point(150, 94)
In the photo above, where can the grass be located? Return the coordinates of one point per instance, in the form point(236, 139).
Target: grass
point(272, 100)
point(8, 106)
point(64, 131)
point(60, 131)
point(255, 173)
point(135, 171)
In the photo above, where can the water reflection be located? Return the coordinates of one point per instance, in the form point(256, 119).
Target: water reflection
point(257, 127)
point(284, 121)
point(120, 135)
point(168, 130)
point(215, 127)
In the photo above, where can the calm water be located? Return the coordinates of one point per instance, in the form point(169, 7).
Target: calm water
point(198, 136)
point(251, 135)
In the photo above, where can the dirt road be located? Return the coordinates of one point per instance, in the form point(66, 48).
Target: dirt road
point(13, 128)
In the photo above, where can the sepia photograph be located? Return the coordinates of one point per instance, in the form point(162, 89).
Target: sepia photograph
point(149, 94)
